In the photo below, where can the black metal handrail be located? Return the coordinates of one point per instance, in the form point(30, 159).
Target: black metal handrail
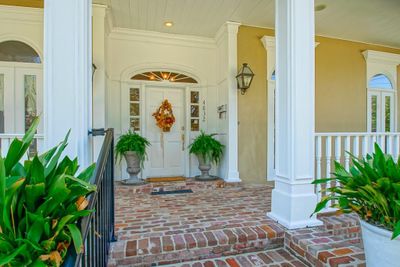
point(98, 228)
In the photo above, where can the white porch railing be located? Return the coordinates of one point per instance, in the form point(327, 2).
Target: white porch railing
point(330, 147)
point(6, 139)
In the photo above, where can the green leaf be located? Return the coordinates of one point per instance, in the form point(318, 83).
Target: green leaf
point(321, 205)
point(53, 161)
point(396, 231)
point(86, 174)
point(37, 171)
point(7, 259)
point(76, 237)
point(33, 194)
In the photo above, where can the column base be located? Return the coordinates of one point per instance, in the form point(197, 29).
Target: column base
point(293, 210)
point(233, 177)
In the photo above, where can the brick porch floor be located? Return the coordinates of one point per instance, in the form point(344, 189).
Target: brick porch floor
point(222, 227)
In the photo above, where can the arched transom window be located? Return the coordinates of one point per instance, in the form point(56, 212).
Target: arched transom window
point(16, 51)
point(163, 76)
point(381, 104)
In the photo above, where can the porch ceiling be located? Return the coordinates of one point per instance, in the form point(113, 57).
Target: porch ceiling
point(371, 21)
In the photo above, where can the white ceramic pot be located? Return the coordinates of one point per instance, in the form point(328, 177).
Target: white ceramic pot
point(380, 250)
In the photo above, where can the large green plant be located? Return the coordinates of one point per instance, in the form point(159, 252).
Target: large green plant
point(41, 201)
point(371, 189)
point(132, 141)
point(206, 146)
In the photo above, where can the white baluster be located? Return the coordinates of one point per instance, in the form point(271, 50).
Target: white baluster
point(328, 155)
point(318, 156)
point(381, 142)
point(372, 143)
point(5, 145)
point(389, 144)
point(364, 145)
point(346, 152)
point(356, 147)
point(396, 147)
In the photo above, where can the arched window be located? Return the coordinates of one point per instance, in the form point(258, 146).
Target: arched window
point(380, 81)
point(163, 76)
point(16, 51)
point(381, 104)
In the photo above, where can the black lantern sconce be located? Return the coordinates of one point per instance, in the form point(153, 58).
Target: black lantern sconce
point(244, 78)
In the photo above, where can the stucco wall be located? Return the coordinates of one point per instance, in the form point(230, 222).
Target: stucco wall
point(340, 94)
point(253, 106)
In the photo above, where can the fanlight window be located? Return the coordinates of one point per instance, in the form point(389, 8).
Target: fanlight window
point(163, 76)
point(380, 81)
point(15, 51)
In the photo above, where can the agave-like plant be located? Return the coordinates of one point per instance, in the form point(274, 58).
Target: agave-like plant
point(371, 189)
point(41, 201)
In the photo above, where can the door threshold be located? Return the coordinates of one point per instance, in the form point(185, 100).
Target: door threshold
point(165, 179)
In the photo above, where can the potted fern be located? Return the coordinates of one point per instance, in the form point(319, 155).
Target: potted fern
point(208, 150)
point(372, 190)
point(41, 202)
point(133, 147)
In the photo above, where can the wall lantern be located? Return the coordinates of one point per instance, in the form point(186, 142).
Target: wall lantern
point(244, 78)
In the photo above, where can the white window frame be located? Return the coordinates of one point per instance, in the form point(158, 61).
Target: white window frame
point(386, 64)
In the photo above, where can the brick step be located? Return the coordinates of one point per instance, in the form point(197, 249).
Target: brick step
point(178, 248)
point(189, 183)
point(337, 242)
point(270, 258)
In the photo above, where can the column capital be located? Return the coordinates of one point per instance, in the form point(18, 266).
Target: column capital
point(99, 10)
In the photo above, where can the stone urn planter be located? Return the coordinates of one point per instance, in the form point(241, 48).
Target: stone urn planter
point(133, 168)
point(380, 249)
point(204, 167)
point(207, 150)
point(132, 147)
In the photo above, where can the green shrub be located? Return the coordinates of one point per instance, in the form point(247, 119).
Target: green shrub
point(41, 201)
point(132, 141)
point(208, 147)
point(371, 189)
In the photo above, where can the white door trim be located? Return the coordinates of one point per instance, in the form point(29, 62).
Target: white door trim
point(143, 120)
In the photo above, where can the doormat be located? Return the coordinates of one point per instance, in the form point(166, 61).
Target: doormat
point(182, 191)
point(165, 179)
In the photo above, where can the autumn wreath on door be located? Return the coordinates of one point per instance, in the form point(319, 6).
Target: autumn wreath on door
point(164, 116)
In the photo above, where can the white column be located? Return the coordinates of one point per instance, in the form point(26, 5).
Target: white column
point(99, 78)
point(294, 198)
point(232, 146)
point(68, 75)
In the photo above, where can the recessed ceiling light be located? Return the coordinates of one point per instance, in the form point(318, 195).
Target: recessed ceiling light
point(168, 24)
point(319, 7)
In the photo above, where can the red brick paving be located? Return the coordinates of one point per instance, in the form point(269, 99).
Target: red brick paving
point(249, 260)
point(222, 227)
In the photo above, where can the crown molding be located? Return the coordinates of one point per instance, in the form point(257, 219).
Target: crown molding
point(381, 57)
point(162, 38)
point(269, 42)
point(228, 27)
point(17, 14)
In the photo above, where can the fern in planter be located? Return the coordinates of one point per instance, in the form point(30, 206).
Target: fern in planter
point(41, 201)
point(206, 146)
point(371, 189)
point(133, 142)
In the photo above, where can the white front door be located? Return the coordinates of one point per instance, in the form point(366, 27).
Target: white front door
point(166, 153)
